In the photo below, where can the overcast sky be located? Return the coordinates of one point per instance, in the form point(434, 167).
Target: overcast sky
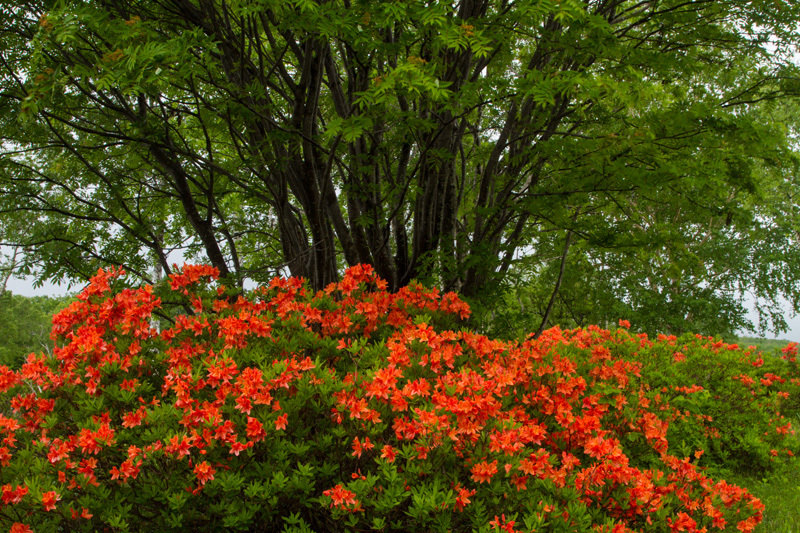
point(25, 288)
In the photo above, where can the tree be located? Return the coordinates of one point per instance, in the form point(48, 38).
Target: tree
point(25, 325)
point(440, 141)
point(670, 272)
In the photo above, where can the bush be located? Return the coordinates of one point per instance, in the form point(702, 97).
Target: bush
point(739, 406)
point(349, 409)
point(735, 405)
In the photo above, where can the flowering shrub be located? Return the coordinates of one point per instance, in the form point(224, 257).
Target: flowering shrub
point(348, 409)
point(736, 404)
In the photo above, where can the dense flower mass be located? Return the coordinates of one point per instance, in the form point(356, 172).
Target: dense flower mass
point(353, 408)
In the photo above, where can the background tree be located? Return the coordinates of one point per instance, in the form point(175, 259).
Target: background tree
point(453, 142)
point(671, 270)
point(25, 325)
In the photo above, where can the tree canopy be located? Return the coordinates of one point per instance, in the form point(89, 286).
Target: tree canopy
point(604, 155)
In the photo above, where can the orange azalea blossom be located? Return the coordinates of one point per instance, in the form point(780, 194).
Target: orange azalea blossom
point(255, 429)
point(204, 472)
point(84, 513)
point(13, 495)
point(340, 496)
point(483, 471)
point(500, 524)
point(359, 447)
point(388, 453)
point(463, 496)
point(49, 500)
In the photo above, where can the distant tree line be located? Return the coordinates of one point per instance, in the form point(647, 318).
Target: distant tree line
point(25, 324)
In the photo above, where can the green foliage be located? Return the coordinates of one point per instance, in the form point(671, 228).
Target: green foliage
point(767, 346)
point(737, 405)
point(618, 158)
point(780, 494)
point(25, 324)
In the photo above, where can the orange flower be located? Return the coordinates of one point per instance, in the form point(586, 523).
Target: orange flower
point(13, 495)
point(683, 523)
point(280, 423)
point(463, 497)
point(483, 471)
point(83, 514)
point(49, 500)
point(500, 524)
point(255, 429)
point(359, 447)
point(388, 453)
point(204, 472)
point(340, 496)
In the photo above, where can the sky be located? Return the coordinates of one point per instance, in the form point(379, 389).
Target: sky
point(793, 334)
point(25, 288)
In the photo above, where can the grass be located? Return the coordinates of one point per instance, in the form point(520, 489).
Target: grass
point(780, 493)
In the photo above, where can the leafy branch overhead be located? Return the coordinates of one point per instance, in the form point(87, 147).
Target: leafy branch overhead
point(465, 144)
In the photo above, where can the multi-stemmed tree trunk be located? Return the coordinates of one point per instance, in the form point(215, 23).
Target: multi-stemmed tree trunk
point(435, 140)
